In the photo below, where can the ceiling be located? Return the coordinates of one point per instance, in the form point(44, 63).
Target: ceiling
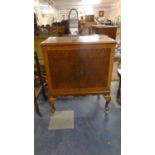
point(60, 4)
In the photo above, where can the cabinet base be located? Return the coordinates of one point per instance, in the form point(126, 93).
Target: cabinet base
point(108, 99)
point(106, 96)
point(51, 102)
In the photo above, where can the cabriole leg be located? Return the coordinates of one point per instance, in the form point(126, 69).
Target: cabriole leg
point(98, 96)
point(108, 99)
point(51, 102)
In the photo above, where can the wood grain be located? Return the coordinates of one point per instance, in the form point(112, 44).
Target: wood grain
point(78, 67)
point(110, 31)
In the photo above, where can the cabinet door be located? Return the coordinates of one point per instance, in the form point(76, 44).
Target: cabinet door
point(94, 68)
point(64, 68)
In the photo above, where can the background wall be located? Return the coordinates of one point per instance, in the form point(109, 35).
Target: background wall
point(114, 14)
point(54, 14)
point(43, 17)
point(111, 13)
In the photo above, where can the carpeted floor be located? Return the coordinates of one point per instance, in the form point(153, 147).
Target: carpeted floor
point(93, 132)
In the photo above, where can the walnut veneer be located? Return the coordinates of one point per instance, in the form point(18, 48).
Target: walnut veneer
point(78, 66)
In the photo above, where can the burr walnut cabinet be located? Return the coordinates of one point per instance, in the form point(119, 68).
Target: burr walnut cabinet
point(78, 65)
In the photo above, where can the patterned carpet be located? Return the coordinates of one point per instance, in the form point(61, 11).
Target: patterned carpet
point(90, 131)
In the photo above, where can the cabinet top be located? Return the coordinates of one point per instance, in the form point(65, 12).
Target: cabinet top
point(93, 39)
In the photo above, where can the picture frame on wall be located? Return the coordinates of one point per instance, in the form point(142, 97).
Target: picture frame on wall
point(101, 13)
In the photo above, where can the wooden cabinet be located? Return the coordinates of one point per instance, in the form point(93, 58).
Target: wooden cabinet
point(78, 66)
point(111, 31)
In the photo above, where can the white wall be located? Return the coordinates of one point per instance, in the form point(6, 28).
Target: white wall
point(110, 13)
point(114, 14)
point(42, 18)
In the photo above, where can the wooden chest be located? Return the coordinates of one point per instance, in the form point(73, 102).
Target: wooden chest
point(111, 31)
point(78, 66)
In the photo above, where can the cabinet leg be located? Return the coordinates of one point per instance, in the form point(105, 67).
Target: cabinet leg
point(108, 99)
point(51, 102)
point(98, 96)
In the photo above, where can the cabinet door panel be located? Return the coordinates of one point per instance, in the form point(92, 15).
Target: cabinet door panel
point(64, 68)
point(94, 66)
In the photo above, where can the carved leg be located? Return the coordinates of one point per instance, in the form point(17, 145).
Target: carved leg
point(51, 102)
point(98, 96)
point(108, 99)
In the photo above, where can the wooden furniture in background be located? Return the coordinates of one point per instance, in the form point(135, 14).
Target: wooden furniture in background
point(111, 31)
point(79, 65)
point(58, 29)
point(39, 85)
point(65, 23)
point(89, 18)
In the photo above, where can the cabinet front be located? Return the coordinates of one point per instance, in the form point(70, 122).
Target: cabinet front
point(79, 69)
point(94, 66)
point(64, 69)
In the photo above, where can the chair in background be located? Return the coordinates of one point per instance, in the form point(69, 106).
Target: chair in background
point(39, 84)
point(119, 87)
point(118, 58)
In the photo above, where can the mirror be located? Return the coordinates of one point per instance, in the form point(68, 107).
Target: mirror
point(73, 22)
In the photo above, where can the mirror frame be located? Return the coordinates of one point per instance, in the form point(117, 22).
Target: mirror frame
point(73, 9)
